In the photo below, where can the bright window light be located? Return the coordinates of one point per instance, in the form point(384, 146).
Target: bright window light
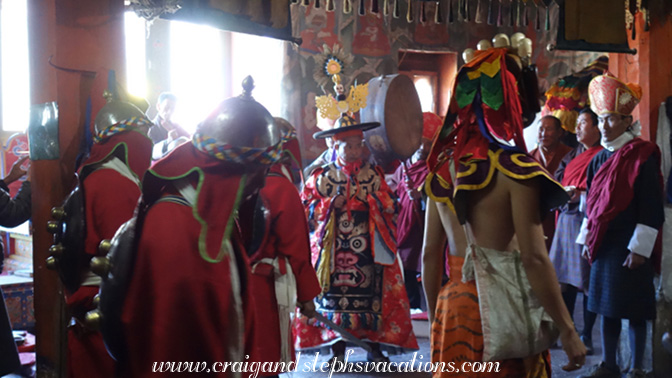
point(262, 59)
point(423, 86)
point(15, 75)
point(196, 73)
point(135, 29)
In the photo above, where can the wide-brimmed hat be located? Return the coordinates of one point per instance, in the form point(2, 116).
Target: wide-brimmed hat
point(346, 125)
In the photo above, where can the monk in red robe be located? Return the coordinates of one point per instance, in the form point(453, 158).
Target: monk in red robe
point(550, 153)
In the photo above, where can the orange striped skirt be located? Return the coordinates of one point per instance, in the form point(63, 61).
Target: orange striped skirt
point(457, 337)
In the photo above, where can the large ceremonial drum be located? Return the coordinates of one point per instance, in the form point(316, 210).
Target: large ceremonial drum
point(394, 102)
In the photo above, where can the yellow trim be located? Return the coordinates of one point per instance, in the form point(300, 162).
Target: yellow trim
point(468, 172)
point(428, 190)
point(515, 160)
point(493, 157)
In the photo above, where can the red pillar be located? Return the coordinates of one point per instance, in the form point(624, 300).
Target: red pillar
point(651, 68)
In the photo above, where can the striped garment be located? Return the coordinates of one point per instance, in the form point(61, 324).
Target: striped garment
point(457, 335)
point(565, 253)
point(127, 124)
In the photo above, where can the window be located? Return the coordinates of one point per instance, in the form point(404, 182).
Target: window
point(201, 65)
point(433, 74)
point(196, 71)
point(425, 86)
point(135, 34)
point(15, 67)
point(262, 58)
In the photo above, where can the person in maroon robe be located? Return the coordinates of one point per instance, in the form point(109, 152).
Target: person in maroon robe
point(407, 182)
point(572, 270)
point(550, 153)
point(189, 297)
point(282, 274)
point(621, 230)
point(110, 178)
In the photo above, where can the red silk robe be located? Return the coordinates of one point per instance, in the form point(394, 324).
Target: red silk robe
point(110, 200)
point(286, 235)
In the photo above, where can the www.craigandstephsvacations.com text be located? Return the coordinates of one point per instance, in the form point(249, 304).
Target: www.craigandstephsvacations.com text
point(311, 365)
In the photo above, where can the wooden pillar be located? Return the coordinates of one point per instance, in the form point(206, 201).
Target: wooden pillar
point(651, 68)
point(80, 35)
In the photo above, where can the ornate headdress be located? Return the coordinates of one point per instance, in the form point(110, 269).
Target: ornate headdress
point(569, 95)
point(610, 95)
point(330, 66)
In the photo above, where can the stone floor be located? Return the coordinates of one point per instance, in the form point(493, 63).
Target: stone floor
point(558, 358)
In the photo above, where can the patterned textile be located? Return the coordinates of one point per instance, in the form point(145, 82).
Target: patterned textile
point(457, 335)
point(569, 95)
point(616, 291)
point(122, 126)
point(476, 175)
point(610, 95)
point(613, 189)
point(354, 252)
point(565, 253)
point(486, 110)
point(239, 155)
point(19, 303)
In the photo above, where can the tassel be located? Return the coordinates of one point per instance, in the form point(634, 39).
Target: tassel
point(537, 20)
point(409, 12)
point(526, 20)
point(386, 8)
point(306, 3)
point(548, 18)
point(500, 15)
point(423, 16)
point(362, 8)
point(460, 9)
point(511, 14)
point(451, 16)
point(518, 22)
point(317, 4)
point(478, 18)
point(467, 17)
point(347, 6)
point(330, 5)
point(491, 13)
point(395, 12)
point(438, 18)
point(374, 6)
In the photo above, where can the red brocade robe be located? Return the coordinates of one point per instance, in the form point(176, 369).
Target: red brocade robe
point(285, 236)
point(110, 199)
point(186, 303)
point(354, 252)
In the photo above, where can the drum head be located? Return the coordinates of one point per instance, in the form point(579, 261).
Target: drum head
point(394, 102)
